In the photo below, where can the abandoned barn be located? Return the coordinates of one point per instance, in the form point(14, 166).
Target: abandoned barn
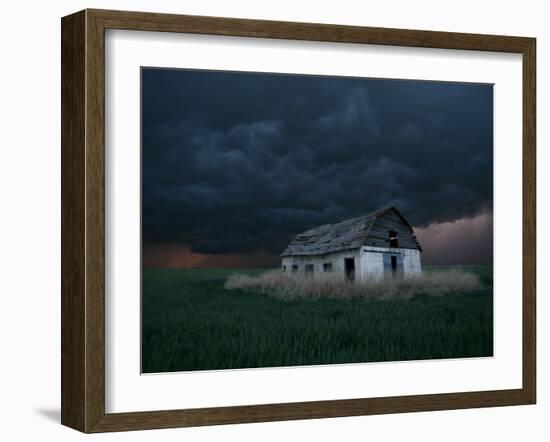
point(372, 246)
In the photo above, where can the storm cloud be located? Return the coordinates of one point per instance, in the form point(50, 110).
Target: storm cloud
point(236, 164)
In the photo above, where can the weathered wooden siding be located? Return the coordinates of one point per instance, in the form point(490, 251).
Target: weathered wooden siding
point(378, 235)
point(372, 230)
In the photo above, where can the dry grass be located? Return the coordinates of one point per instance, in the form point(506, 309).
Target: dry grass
point(434, 283)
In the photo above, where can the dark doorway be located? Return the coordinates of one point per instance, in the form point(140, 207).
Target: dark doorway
point(393, 265)
point(349, 266)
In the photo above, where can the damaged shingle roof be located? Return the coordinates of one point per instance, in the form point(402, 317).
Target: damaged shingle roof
point(328, 238)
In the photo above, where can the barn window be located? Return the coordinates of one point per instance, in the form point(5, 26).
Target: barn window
point(393, 238)
point(294, 268)
point(284, 268)
point(309, 269)
point(327, 267)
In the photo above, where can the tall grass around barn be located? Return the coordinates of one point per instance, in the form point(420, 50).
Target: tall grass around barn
point(284, 286)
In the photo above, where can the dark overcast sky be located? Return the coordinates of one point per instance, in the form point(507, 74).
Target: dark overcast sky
point(235, 164)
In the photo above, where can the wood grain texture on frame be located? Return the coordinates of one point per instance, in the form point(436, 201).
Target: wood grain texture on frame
point(83, 220)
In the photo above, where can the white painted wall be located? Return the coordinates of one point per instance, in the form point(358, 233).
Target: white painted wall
point(372, 261)
point(336, 259)
point(369, 263)
point(411, 261)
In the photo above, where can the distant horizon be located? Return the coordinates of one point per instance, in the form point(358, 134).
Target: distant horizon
point(428, 257)
point(276, 268)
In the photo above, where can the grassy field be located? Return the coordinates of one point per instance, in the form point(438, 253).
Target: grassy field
point(190, 322)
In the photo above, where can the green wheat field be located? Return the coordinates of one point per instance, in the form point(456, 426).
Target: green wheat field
point(191, 322)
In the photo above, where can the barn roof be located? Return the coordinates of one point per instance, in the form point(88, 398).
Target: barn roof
point(328, 238)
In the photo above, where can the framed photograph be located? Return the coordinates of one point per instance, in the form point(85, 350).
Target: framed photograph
point(269, 220)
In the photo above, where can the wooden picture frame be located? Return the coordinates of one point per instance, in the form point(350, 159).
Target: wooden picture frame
point(83, 220)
